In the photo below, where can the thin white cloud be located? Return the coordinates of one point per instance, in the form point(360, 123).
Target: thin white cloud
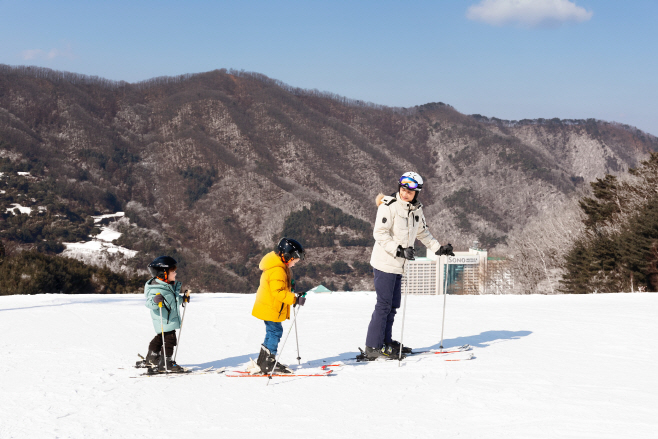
point(528, 13)
point(32, 54)
point(39, 54)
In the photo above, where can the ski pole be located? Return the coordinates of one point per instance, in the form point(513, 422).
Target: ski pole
point(164, 353)
point(276, 361)
point(297, 339)
point(404, 311)
point(180, 333)
point(445, 293)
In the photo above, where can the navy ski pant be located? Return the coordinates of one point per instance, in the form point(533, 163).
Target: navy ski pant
point(273, 333)
point(389, 292)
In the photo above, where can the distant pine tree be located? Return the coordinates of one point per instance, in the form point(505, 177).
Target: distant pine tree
point(619, 251)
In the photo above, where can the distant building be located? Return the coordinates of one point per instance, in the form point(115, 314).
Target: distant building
point(466, 273)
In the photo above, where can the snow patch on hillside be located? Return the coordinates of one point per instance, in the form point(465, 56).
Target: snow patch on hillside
point(100, 247)
point(22, 209)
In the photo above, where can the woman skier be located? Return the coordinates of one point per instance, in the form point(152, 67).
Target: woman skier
point(274, 297)
point(399, 222)
point(163, 288)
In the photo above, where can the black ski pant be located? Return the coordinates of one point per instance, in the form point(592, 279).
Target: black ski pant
point(389, 292)
point(170, 342)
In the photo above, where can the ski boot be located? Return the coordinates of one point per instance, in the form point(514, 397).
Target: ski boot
point(396, 345)
point(262, 360)
point(392, 351)
point(281, 368)
point(170, 366)
point(152, 360)
point(372, 354)
point(266, 362)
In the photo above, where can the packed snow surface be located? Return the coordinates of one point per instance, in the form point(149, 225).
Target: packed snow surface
point(544, 367)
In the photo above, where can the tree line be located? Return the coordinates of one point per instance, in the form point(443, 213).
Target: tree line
point(618, 248)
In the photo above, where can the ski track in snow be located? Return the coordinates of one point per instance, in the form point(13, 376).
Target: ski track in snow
point(545, 367)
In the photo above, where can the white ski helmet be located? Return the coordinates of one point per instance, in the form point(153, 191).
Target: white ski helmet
point(411, 181)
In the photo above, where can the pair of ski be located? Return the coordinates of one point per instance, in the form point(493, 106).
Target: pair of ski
point(154, 372)
point(448, 354)
point(301, 372)
point(186, 371)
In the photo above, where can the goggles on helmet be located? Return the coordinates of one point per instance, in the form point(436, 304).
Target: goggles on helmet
point(408, 182)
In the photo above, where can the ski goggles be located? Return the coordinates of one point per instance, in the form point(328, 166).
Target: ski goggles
point(409, 183)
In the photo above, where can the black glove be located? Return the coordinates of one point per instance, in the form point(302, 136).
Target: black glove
point(158, 298)
point(186, 296)
point(407, 253)
point(445, 250)
point(300, 299)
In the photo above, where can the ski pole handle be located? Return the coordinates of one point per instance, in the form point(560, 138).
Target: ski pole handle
point(164, 351)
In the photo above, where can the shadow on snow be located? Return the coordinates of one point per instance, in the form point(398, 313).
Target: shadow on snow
point(482, 340)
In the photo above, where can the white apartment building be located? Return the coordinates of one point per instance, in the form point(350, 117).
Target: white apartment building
point(464, 273)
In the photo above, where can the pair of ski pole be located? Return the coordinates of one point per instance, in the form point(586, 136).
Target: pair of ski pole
point(404, 308)
point(164, 352)
point(276, 361)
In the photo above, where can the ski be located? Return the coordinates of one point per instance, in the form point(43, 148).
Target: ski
point(185, 372)
point(463, 348)
point(244, 374)
point(361, 358)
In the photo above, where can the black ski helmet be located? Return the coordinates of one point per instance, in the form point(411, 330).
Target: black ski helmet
point(289, 249)
point(161, 266)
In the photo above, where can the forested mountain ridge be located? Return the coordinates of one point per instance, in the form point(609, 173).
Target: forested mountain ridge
point(211, 165)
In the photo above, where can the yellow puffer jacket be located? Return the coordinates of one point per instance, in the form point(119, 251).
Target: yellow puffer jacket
point(274, 296)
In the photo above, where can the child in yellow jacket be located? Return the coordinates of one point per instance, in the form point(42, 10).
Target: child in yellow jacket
point(274, 297)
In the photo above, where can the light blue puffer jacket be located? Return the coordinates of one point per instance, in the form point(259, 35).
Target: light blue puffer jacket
point(170, 307)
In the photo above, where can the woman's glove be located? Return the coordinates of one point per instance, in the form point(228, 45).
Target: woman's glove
point(158, 298)
point(407, 253)
point(445, 250)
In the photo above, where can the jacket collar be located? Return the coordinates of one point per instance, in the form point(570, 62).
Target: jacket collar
point(165, 284)
point(408, 206)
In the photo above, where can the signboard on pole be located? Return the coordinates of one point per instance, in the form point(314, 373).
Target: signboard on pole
point(463, 260)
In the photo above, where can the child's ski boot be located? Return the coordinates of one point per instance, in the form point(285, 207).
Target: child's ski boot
point(170, 366)
point(152, 360)
point(266, 362)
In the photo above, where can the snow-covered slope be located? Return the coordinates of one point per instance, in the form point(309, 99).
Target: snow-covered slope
point(545, 367)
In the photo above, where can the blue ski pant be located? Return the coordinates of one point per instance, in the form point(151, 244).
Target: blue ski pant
point(389, 292)
point(273, 333)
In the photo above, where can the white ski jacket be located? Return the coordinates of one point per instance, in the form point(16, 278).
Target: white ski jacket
point(398, 223)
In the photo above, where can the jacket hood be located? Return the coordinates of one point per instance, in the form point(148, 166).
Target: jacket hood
point(270, 261)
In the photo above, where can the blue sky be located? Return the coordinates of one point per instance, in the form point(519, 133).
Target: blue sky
point(511, 59)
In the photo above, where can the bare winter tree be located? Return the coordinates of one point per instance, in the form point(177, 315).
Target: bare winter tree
point(536, 254)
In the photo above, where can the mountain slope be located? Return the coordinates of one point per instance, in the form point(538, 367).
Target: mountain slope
point(214, 163)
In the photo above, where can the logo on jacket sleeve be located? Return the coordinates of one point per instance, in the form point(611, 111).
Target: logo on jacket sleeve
point(384, 219)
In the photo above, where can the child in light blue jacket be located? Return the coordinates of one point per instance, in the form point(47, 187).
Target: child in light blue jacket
point(164, 298)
